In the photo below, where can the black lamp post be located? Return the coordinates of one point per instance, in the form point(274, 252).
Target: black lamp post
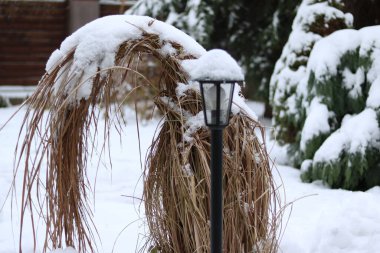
point(217, 99)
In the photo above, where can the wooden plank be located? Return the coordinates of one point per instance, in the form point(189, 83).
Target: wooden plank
point(28, 50)
point(23, 58)
point(21, 12)
point(23, 70)
point(106, 10)
point(25, 43)
point(19, 26)
point(32, 17)
point(24, 6)
point(35, 22)
point(31, 34)
point(20, 81)
point(30, 38)
point(27, 75)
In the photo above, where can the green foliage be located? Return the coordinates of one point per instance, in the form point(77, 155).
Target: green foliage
point(336, 96)
point(313, 145)
point(353, 171)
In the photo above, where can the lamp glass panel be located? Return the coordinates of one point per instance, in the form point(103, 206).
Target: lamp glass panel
point(217, 109)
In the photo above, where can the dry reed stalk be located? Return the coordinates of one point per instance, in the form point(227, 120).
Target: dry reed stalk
point(177, 174)
point(176, 190)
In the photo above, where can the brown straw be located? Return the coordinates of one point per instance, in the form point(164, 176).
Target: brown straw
point(177, 174)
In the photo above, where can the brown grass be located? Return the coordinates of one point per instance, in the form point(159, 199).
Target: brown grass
point(176, 200)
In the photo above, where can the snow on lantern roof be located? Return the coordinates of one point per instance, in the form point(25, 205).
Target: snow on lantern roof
point(215, 64)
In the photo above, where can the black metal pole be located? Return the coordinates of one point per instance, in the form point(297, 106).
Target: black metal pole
point(216, 190)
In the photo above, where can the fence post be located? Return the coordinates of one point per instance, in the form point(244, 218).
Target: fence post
point(81, 12)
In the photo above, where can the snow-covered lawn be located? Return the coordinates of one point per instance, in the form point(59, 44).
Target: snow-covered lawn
point(321, 220)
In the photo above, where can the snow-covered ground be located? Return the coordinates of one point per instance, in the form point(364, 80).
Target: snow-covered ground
point(320, 220)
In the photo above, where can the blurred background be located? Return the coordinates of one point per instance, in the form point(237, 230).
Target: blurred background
point(252, 31)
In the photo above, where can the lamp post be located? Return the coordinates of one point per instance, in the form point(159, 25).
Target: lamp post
point(217, 99)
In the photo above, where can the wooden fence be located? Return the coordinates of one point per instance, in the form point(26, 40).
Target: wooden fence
point(29, 32)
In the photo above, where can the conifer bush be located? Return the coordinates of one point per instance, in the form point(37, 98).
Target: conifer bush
point(325, 93)
point(315, 19)
point(344, 79)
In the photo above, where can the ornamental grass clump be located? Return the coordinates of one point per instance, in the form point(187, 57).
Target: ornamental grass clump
point(83, 75)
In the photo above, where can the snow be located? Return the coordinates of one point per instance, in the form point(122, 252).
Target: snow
point(66, 250)
point(239, 104)
point(349, 139)
point(353, 82)
point(316, 123)
point(97, 42)
point(257, 107)
point(182, 88)
point(329, 221)
point(309, 11)
point(286, 80)
point(373, 100)
point(104, 35)
point(370, 40)
point(300, 40)
point(318, 220)
point(327, 52)
point(193, 124)
point(16, 91)
point(215, 64)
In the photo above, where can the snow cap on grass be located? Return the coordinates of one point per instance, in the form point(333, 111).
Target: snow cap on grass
point(102, 37)
point(97, 43)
